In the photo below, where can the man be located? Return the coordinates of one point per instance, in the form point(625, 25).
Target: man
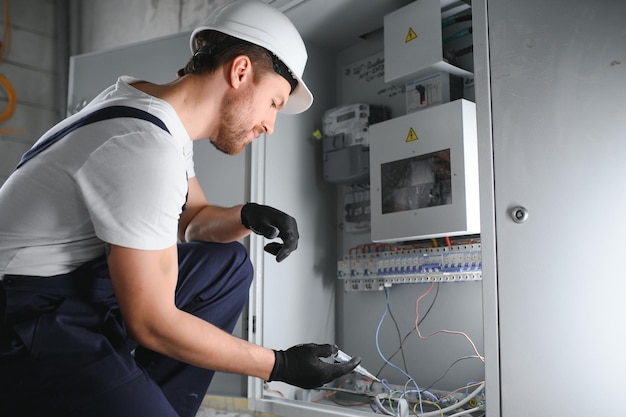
point(119, 283)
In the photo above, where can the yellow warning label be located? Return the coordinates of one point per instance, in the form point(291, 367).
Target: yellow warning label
point(411, 136)
point(410, 35)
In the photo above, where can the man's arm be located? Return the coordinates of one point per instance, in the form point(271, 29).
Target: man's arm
point(204, 222)
point(144, 283)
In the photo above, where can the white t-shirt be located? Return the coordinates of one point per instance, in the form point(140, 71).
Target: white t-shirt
point(121, 181)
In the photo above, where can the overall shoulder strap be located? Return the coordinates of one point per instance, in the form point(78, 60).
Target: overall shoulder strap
point(98, 115)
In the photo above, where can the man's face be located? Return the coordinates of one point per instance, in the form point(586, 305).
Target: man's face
point(249, 111)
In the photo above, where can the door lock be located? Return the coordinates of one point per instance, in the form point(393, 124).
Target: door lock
point(519, 214)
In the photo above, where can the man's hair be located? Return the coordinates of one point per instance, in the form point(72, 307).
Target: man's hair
point(213, 49)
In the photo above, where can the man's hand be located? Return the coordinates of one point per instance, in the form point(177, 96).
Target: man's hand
point(272, 223)
point(301, 366)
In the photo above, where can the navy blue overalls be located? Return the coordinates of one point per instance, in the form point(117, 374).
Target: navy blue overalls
point(64, 350)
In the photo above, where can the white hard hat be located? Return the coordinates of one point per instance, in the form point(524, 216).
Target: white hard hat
point(264, 25)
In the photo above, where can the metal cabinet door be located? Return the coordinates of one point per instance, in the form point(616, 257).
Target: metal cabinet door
point(558, 78)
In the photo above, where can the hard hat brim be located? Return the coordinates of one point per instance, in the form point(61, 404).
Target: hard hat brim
point(300, 100)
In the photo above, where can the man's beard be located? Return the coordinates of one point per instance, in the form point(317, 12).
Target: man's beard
point(235, 125)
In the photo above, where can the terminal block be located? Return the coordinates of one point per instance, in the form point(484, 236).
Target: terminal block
point(375, 271)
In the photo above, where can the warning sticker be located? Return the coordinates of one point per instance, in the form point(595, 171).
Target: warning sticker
point(410, 35)
point(411, 136)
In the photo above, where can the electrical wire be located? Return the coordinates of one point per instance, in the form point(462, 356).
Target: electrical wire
point(379, 406)
point(266, 387)
point(472, 385)
point(440, 411)
point(395, 322)
point(448, 370)
point(339, 388)
point(387, 362)
point(11, 99)
point(410, 379)
point(383, 356)
point(411, 331)
point(440, 331)
point(423, 391)
point(465, 412)
point(382, 318)
point(455, 406)
point(434, 404)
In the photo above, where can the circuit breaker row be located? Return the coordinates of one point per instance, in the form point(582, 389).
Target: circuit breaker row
point(375, 271)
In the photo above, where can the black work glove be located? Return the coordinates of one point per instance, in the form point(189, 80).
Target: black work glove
point(301, 366)
point(272, 223)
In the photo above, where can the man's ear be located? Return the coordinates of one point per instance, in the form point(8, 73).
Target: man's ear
point(240, 70)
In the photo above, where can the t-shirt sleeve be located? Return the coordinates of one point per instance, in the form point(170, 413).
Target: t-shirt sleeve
point(134, 188)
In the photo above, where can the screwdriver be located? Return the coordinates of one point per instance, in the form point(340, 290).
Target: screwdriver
point(341, 356)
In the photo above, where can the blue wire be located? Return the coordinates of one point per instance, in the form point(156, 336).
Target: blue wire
point(419, 394)
point(468, 385)
point(384, 383)
point(432, 396)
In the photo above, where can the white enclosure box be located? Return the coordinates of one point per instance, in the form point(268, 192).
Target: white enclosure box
point(424, 174)
point(414, 39)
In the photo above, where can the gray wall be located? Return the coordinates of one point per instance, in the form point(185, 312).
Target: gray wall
point(112, 23)
point(30, 69)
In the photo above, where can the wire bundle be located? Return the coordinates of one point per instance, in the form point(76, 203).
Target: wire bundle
point(392, 395)
point(396, 402)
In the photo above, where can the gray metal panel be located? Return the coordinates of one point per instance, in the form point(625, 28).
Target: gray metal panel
point(487, 206)
point(155, 60)
point(558, 78)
